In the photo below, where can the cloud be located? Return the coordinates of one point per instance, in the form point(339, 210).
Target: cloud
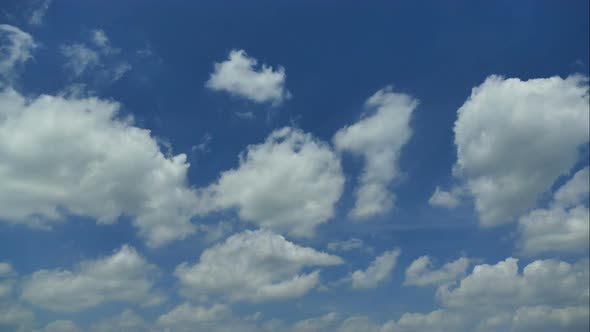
point(379, 138)
point(95, 157)
point(62, 326)
point(187, 315)
point(124, 276)
point(38, 12)
point(255, 266)
point(501, 298)
point(13, 315)
point(378, 272)
point(239, 76)
point(511, 142)
point(126, 321)
point(446, 199)
point(564, 226)
point(16, 48)
point(80, 58)
point(346, 245)
point(5, 269)
point(420, 272)
point(289, 184)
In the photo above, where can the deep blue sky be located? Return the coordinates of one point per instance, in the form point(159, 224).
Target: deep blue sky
point(336, 54)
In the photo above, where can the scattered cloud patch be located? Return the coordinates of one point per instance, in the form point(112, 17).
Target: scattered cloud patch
point(38, 12)
point(379, 138)
point(379, 271)
point(421, 272)
point(240, 76)
point(80, 58)
point(346, 245)
point(446, 199)
point(16, 48)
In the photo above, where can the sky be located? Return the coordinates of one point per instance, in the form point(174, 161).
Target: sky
point(393, 166)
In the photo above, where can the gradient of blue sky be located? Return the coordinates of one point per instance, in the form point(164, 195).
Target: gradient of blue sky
point(335, 55)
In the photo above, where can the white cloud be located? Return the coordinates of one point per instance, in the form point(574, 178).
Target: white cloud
point(564, 226)
point(5, 269)
point(126, 321)
point(80, 58)
point(124, 276)
point(290, 183)
point(446, 199)
point(500, 298)
point(186, 314)
point(421, 273)
point(346, 245)
point(38, 12)
point(379, 138)
point(378, 271)
point(511, 142)
point(255, 266)
point(16, 47)
point(95, 157)
point(62, 326)
point(239, 76)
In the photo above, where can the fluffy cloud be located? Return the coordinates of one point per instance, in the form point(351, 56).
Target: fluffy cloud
point(16, 47)
point(511, 142)
point(13, 315)
point(127, 321)
point(290, 183)
point(124, 276)
point(239, 76)
point(255, 266)
point(379, 138)
point(378, 272)
point(5, 269)
point(420, 272)
point(548, 295)
point(94, 157)
point(188, 315)
point(446, 199)
point(62, 326)
point(564, 226)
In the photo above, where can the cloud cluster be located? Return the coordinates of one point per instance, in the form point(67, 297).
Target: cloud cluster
point(512, 142)
point(239, 76)
point(254, 266)
point(379, 138)
point(16, 47)
point(289, 184)
point(124, 276)
point(421, 272)
point(63, 155)
point(379, 271)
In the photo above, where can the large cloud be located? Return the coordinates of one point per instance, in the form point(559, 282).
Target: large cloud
point(379, 138)
point(515, 138)
point(76, 156)
point(255, 266)
point(239, 76)
point(290, 183)
point(548, 295)
point(124, 276)
point(16, 47)
point(420, 272)
point(564, 226)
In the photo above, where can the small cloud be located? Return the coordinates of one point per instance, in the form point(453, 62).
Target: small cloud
point(447, 199)
point(38, 11)
point(204, 146)
point(247, 115)
point(240, 76)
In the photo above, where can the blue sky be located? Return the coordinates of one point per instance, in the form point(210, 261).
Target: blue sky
point(294, 166)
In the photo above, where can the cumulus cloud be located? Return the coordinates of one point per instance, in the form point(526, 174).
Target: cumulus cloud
point(126, 321)
point(446, 199)
point(16, 47)
point(501, 298)
point(255, 266)
point(239, 76)
point(289, 184)
point(62, 326)
point(562, 227)
point(13, 315)
point(187, 315)
point(511, 142)
point(5, 269)
point(421, 272)
point(95, 157)
point(379, 138)
point(378, 271)
point(124, 276)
